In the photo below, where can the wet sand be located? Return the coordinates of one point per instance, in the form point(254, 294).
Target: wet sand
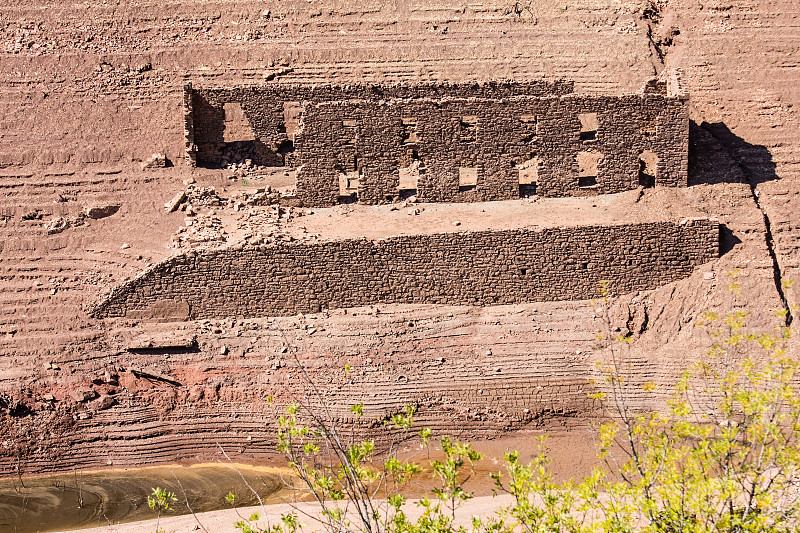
point(91, 499)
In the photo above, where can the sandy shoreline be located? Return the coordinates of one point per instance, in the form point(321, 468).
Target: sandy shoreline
point(222, 521)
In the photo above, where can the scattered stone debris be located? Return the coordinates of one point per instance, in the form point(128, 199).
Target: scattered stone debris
point(96, 212)
point(200, 230)
point(156, 161)
point(176, 202)
point(203, 196)
point(83, 395)
point(59, 224)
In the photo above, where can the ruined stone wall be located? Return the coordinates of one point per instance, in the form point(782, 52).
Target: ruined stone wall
point(492, 137)
point(462, 142)
point(264, 106)
point(482, 268)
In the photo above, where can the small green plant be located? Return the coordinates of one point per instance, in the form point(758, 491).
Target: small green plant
point(161, 501)
point(245, 183)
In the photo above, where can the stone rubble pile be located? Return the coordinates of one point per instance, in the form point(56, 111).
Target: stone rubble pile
point(203, 196)
point(261, 197)
point(262, 226)
point(259, 219)
point(239, 156)
point(200, 231)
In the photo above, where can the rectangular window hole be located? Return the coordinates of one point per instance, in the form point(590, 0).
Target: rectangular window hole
point(648, 163)
point(588, 126)
point(467, 177)
point(348, 183)
point(528, 171)
point(291, 118)
point(588, 163)
point(409, 177)
point(468, 129)
point(408, 131)
point(527, 190)
point(237, 127)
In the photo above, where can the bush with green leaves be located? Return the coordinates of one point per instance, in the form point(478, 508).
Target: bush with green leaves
point(359, 489)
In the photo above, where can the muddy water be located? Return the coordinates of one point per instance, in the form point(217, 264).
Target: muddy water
point(89, 499)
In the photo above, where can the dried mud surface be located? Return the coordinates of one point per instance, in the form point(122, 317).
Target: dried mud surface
point(89, 91)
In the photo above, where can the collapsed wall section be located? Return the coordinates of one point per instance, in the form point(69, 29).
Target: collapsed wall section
point(480, 268)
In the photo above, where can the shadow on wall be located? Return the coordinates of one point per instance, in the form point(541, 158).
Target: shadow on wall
point(727, 240)
point(717, 155)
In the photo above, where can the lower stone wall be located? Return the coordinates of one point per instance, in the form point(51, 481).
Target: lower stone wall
point(481, 268)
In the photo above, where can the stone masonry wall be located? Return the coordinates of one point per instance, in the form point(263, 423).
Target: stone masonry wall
point(482, 268)
point(371, 132)
point(264, 105)
point(500, 136)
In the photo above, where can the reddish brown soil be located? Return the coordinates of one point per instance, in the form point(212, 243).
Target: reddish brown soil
point(88, 91)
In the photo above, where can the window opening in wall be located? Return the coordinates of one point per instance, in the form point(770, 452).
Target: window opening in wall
point(239, 149)
point(468, 129)
point(529, 128)
point(648, 163)
point(292, 119)
point(410, 168)
point(348, 186)
point(409, 133)
point(588, 126)
point(285, 148)
point(349, 177)
point(237, 127)
point(350, 132)
point(467, 178)
point(528, 176)
point(587, 168)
